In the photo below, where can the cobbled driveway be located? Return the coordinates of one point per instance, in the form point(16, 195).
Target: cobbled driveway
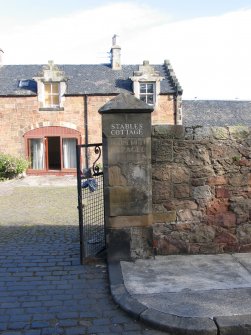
point(43, 288)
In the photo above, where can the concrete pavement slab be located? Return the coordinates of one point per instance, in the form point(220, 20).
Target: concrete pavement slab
point(200, 303)
point(234, 325)
point(244, 259)
point(176, 273)
point(193, 294)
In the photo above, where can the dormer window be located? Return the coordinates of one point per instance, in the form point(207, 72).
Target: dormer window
point(146, 83)
point(51, 95)
point(147, 93)
point(51, 88)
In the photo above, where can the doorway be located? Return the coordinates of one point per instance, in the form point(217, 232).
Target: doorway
point(54, 153)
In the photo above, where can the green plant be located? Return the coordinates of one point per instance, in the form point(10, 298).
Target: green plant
point(236, 159)
point(11, 166)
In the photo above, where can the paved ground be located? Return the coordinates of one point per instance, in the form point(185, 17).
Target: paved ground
point(193, 285)
point(43, 288)
point(187, 294)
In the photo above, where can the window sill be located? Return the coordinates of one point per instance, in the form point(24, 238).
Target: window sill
point(56, 109)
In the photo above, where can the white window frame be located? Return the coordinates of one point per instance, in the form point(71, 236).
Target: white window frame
point(51, 105)
point(147, 94)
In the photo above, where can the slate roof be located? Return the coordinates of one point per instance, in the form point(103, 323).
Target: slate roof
point(82, 79)
point(216, 113)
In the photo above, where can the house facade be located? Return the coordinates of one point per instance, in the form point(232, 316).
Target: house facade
point(45, 110)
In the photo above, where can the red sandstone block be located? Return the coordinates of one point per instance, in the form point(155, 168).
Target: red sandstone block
point(229, 219)
point(217, 180)
point(218, 219)
point(169, 246)
point(226, 220)
point(222, 192)
point(181, 191)
point(225, 237)
point(245, 162)
point(193, 248)
point(210, 248)
point(235, 247)
point(217, 206)
point(211, 220)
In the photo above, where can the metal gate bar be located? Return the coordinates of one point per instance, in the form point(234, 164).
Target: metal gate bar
point(90, 200)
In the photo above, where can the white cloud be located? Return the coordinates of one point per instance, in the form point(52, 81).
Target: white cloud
point(216, 54)
point(77, 38)
point(211, 55)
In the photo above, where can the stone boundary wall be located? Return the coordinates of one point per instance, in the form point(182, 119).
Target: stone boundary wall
point(201, 189)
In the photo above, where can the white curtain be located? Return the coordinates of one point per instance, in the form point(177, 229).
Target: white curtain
point(37, 154)
point(69, 153)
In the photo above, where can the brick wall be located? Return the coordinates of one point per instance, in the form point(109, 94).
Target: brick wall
point(15, 113)
point(164, 111)
point(201, 189)
point(94, 118)
point(21, 114)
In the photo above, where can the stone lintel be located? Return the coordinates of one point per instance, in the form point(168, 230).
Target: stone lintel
point(130, 221)
point(164, 217)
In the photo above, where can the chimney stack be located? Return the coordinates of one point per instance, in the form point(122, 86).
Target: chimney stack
point(115, 54)
point(1, 57)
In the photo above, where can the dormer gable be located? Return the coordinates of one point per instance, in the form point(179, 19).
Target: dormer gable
point(51, 87)
point(51, 72)
point(146, 83)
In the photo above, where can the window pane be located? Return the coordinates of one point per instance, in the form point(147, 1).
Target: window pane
point(54, 88)
point(149, 88)
point(142, 88)
point(69, 153)
point(37, 153)
point(143, 98)
point(47, 88)
point(55, 100)
point(150, 99)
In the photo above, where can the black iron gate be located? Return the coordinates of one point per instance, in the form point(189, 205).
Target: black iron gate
point(90, 199)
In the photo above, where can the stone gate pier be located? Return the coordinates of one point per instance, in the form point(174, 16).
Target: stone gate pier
point(126, 127)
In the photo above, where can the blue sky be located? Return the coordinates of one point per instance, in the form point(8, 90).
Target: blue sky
point(207, 42)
